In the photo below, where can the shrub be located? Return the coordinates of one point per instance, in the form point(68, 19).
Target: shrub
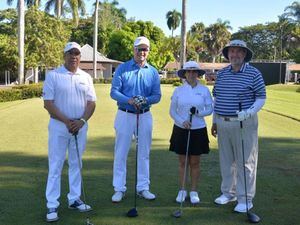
point(298, 89)
point(102, 81)
point(21, 92)
point(7, 95)
point(175, 84)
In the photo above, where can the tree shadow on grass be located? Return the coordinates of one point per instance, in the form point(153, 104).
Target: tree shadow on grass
point(23, 181)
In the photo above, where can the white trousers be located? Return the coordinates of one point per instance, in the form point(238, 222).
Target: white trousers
point(59, 141)
point(125, 127)
point(231, 159)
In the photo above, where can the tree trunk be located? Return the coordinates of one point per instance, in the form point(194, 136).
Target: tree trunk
point(95, 39)
point(21, 35)
point(183, 35)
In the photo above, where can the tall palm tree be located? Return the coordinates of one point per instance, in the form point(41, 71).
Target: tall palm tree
point(76, 7)
point(21, 38)
point(183, 35)
point(173, 20)
point(215, 38)
point(293, 11)
point(28, 3)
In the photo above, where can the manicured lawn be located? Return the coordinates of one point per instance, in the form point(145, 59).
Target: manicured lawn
point(23, 168)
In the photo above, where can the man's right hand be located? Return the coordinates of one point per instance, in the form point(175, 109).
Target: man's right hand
point(214, 130)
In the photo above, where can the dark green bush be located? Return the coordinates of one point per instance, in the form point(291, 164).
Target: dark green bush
point(21, 92)
point(298, 89)
point(102, 81)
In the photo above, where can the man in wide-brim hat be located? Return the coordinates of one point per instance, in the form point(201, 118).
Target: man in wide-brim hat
point(239, 94)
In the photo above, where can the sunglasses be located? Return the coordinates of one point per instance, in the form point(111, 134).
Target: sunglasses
point(74, 53)
point(142, 49)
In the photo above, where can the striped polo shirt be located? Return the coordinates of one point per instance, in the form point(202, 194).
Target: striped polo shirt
point(231, 88)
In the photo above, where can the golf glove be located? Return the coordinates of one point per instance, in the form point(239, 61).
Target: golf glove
point(243, 115)
point(139, 100)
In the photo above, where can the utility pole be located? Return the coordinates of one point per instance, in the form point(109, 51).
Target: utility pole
point(280, 54)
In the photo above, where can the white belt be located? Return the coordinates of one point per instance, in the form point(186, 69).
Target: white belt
point(228, 118)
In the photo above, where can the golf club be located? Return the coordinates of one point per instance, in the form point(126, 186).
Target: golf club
point(133, 212)
point(252, 217)
point(178, 213)
point(82, 186)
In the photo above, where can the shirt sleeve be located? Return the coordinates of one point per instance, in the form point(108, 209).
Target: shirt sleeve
point(155, 92)
point(48, 87)
point(91, 94)
point(259, 86)
point(116, 87)
point(173, 108)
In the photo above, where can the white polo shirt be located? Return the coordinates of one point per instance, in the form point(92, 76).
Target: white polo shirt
point(70, 91)
point(185, 97)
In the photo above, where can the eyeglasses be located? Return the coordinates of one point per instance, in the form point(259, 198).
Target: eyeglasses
point(142, 49)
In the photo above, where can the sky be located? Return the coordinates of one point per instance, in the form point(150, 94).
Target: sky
point(238, 12)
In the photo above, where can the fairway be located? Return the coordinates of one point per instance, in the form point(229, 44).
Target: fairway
point(23, 168)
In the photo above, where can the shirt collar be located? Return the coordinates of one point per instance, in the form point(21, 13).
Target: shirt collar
point(242, 69)
point(64, 70)
point(134, 64)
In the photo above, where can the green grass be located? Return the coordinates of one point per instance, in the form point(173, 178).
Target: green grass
point(283, 99)
point(23, 169)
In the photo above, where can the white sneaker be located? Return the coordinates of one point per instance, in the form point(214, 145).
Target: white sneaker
point(80, 206)
point(118, 196)
point(52, 215)
point(241, 207)
point(194, 197)
point(222, 200)
point(146, 195)
point(181, 196)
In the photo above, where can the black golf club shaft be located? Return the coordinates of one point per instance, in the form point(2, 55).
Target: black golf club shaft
point(136, 156)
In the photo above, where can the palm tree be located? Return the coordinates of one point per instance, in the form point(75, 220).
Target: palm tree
point(21, 38)
point(216, 37)
point(28, 3)
point(75, 7)
point(293, 11)
point(183, 35)
point(173, 20)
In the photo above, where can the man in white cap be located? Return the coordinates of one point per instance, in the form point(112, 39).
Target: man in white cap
point(69, 97)
point(135, 87)
point(239, 93)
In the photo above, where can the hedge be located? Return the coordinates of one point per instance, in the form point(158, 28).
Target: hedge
point(21, 92)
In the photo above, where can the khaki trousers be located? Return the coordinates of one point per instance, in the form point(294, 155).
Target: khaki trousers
point(230, 137)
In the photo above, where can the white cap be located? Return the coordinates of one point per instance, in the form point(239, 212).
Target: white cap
point(141, 41)
point(71, 45)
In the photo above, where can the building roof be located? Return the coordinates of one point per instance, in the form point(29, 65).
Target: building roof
point(294, 67)
point(89, 66)
point(87, 55)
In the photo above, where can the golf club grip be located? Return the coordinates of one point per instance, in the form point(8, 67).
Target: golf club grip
point(240, 109)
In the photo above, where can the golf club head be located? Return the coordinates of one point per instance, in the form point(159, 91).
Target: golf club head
point(177, 213)
point(253, 218)
point(132, 213)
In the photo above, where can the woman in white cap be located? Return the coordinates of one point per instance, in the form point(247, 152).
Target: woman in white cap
point(191, 99)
